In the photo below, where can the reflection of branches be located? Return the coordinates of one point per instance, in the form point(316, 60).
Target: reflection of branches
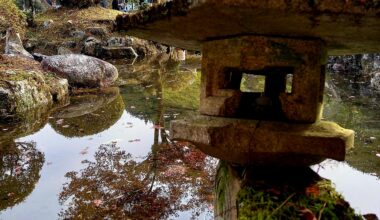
point(117, 187)
point(20, 164)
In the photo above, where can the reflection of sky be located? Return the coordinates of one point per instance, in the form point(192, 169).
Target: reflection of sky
point(361, 190)
point(63, 155)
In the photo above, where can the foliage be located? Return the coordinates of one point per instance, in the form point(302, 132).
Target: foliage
point(20, 165)
point(79, 3)
point(319, 201)
point(11, 16)
point(118, 187)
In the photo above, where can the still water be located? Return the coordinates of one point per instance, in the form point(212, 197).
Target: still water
point(110, 151)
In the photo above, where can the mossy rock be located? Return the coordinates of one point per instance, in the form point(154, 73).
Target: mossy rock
point(63, 22)
point(24, 86)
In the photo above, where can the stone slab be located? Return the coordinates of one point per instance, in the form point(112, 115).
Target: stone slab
point(252, 142)
point(348, 26)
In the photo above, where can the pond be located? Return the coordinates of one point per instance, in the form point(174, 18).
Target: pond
point(108, 154)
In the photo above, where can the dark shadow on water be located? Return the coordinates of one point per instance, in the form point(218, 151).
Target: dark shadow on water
point(88, 114)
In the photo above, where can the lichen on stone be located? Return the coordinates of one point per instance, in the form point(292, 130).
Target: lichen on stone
point(24, 86)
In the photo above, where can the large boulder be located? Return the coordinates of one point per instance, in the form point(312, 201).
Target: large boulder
point(13, 44)
point(81, 70)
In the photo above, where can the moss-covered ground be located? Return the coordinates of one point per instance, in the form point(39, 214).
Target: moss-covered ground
point(318, 201)
point(10, 12)
point(10, 17)
point(63, 21)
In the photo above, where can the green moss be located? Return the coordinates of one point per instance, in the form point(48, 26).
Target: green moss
point(320, 200)
point(12, 17)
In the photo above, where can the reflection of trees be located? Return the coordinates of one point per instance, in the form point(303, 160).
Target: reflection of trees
point(89, 114)
point(20, 165)
point(166, 83)
point(356, 109)
point(172, 178)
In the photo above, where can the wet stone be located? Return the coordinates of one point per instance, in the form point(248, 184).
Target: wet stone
point(252, 142)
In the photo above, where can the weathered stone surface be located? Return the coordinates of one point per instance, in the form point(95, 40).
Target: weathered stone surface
point(225, 61)
point(119, 52)
point(177, 54)
point(22, 90)
point(82, 70)
point(346, 26)
point(120, 41)
point(92, 47)
point(96, 31)
point(63, 51)
point(78, 34)
point(13, 44)
point(251, 142)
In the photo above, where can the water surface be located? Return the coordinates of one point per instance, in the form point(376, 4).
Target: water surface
point(109, 151)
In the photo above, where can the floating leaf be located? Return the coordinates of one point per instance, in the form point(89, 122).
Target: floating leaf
point(97, 202)
point(84, 151)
